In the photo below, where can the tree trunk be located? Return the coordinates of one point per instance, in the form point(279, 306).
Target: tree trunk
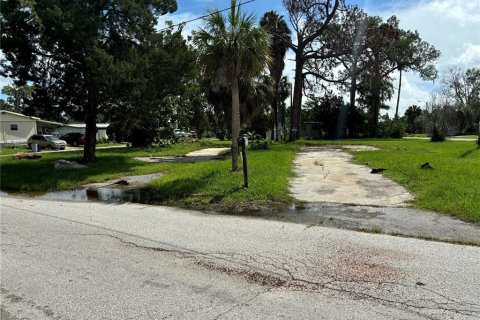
point(275, 113)
point(235, 123)
point(90, 125)
point(295, 126)
point(353, 84)
point(398, 97)
point(375, 115)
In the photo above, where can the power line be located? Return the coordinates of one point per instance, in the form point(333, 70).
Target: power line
point(204, 16)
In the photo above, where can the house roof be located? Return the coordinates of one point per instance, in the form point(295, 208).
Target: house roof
point(71, 125)
point(19, 114)
point(50, 122)
point(83, 125)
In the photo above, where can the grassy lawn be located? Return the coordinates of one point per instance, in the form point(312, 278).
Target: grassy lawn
point(452, 187)
point(212, 184)
point(10, 150)
point(39, 175)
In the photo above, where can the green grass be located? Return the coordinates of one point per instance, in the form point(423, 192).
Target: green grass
point(421, 135)
point(451, 187)
point(11, 150)
point(39, 175)
point(110, 144)
point(465, 137)
point(213, 184)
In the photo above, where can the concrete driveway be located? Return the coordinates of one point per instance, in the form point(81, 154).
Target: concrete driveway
point(67, 260)
point(327, 174)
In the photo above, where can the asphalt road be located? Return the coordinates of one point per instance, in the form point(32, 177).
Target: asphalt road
point(68, 260)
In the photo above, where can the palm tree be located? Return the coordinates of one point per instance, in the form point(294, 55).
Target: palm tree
point(281, 37)
point(232, 49)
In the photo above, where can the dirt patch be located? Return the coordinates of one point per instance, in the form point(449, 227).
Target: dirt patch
point(209, 154)
point(339, 147)
point(133, 181)
point(327, 174)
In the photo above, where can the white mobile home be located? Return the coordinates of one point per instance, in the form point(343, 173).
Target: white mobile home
point(16, 128)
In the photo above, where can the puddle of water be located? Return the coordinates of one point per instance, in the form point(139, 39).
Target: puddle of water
point(106, 194)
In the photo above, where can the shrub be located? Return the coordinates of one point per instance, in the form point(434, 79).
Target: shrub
point(257, 142)
point(391, 128)
point(437, 135)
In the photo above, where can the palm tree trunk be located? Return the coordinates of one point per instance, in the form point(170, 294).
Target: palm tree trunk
point(235, 123)
point(398, 97)
point(275, 114)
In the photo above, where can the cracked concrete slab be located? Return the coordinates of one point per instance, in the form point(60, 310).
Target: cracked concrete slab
point(208, 154)
point(327, 174)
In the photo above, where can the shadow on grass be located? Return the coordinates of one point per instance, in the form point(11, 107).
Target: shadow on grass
point(37, 175)
point(469, 152)
point(219, 197)
point(183, 187)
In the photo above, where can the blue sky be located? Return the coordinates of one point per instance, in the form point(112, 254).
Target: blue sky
point(452, 26)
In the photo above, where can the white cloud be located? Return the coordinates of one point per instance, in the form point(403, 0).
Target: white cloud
point(470, 55)
point(463, 13)
point(452, 27)
point(414, 91)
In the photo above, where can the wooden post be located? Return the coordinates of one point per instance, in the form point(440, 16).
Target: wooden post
point(478, 140)
point(245, 168)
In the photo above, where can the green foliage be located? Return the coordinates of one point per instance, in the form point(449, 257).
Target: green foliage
point(391, 128)
point(412, 114)
point(333, 119)
point(437, 135)
point(257, 142)
point(280, 38)
point(77, 52)
point(17, 96)
point(161, 80)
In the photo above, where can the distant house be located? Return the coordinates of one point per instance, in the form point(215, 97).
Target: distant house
point(16, 128)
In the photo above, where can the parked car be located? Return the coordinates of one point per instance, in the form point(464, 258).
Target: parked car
point(47, 141)
point(181, 134)
point(74, 138)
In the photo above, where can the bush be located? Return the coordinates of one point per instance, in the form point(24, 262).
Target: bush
point(391, 128)
point(437, 135)
point(257, 142)
point(260, 144)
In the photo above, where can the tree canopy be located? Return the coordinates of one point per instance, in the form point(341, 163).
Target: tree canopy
point(81, 48)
